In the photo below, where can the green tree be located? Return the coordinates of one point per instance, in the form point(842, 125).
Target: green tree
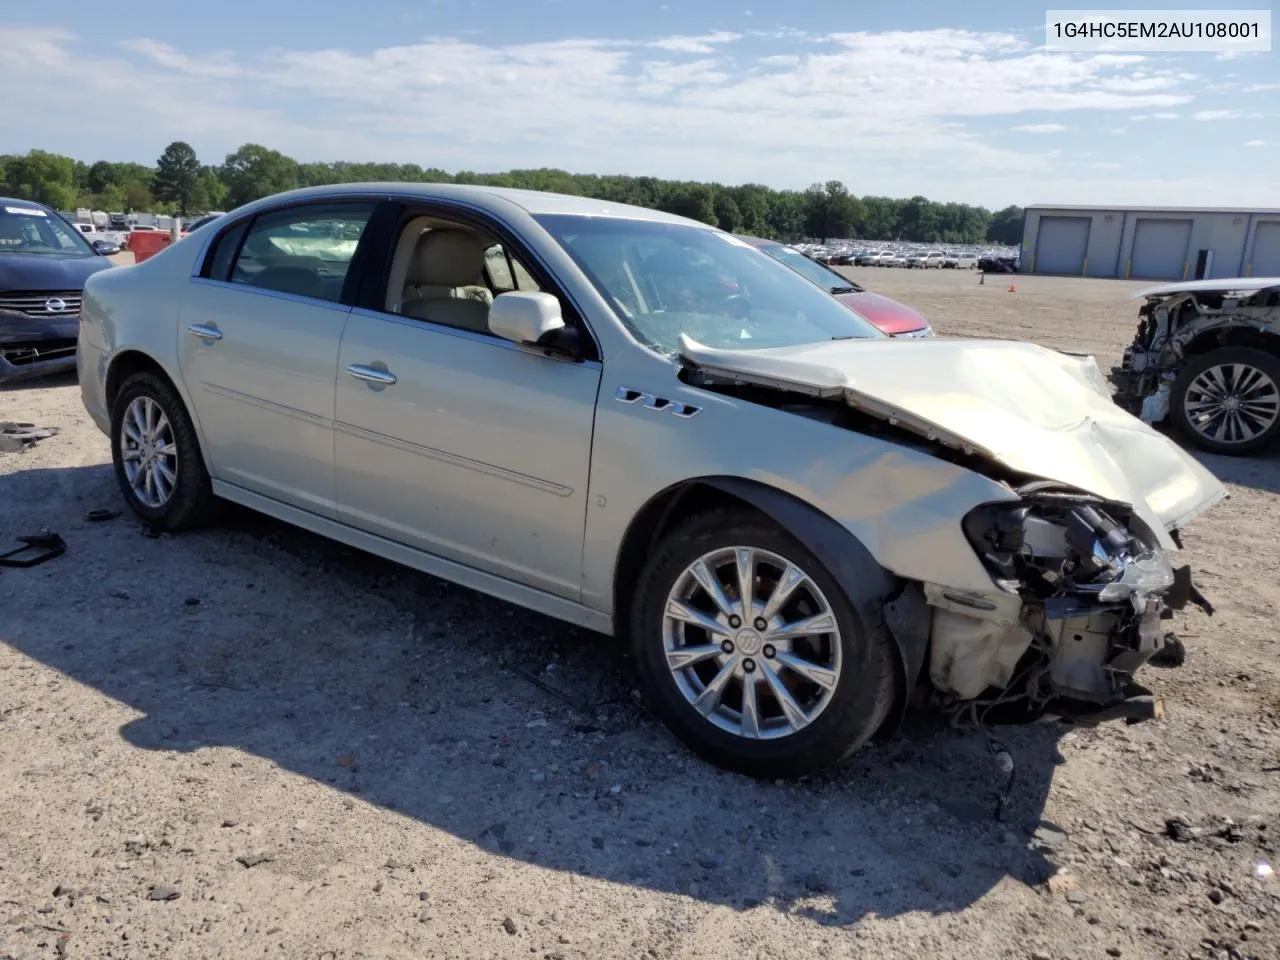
point(728, 216)
point(177, 176)
point(47, 178)
point(1006, 226)
point(254, 171)
point(830, 210)
point(692, 200)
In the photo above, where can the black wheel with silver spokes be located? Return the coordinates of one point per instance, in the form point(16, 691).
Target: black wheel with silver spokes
point(750, 651)
point(156, 454)
point(1228, 400)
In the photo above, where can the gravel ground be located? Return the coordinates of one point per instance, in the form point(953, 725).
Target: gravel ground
point(252, 742)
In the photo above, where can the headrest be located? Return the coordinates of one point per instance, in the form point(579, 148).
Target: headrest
point(447, 257)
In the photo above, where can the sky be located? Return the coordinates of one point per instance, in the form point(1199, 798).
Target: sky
point(953, 101)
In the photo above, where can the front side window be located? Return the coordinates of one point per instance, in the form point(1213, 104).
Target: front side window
point(33, 230)
point(304, 250)
point(664, 279)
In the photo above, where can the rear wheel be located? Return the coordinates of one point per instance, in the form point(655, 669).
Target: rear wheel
point(751, 654)
point(1228, 400)
point(157, 456)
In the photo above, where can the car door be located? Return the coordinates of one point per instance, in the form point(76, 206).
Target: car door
point(460, 443)
point(259, 334)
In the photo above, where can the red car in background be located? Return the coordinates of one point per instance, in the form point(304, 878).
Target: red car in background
point(895, 319)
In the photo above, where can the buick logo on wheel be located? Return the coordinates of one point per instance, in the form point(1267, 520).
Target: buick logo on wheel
point(55, 305)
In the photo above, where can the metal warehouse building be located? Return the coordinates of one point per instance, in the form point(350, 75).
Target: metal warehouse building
point(1151, 243)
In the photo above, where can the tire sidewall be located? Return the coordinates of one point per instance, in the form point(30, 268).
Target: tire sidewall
point(850, 718)
point(1261, 359)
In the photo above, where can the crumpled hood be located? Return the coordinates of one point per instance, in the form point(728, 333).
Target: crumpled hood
point(1034, 410)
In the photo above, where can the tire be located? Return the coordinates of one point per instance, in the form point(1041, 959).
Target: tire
point(1265, 369)
point(863, 670)
point(190, 498)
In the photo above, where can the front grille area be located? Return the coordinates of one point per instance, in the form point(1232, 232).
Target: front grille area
point(25, 354)
point(37, 303)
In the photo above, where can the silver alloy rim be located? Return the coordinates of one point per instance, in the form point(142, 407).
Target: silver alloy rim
point(752, 643)
point(149, 453)
point(1232, 403)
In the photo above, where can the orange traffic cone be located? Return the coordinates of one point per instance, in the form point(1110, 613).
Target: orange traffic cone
point(1013, 286)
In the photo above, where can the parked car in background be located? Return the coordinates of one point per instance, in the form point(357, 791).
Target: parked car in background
point(891, 258)
point(654, 429)
point(957, 260)
point(926, 260)
point(895, 319)
point(44, 262)
point(1206, 358)
point(867, 258)
point(999, 264)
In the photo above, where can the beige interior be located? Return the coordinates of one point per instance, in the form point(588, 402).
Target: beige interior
point(437, 274)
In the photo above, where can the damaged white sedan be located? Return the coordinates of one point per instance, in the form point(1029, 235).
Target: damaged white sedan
point(1206, 358)
point(640, 424)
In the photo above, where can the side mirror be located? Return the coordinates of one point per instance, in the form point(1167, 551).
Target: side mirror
point(526, 317)
point(106, 247)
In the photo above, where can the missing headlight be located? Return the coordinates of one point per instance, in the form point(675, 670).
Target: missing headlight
point(1053, 545)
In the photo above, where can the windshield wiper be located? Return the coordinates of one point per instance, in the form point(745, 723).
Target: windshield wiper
point(845, 290)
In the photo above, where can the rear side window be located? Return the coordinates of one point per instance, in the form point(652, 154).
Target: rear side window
point(224, 253)
point(304, 250)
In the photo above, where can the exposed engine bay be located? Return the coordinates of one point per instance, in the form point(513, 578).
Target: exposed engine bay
point(1088, 597)
point(1182, 321)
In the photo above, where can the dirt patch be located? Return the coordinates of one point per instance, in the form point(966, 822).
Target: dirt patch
point(250, 741)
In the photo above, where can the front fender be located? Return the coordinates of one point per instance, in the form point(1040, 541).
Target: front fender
point(878, 597)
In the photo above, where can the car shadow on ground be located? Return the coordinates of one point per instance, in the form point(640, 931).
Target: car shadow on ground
point(1260, 471)
point(65, 379)
point(439, 703)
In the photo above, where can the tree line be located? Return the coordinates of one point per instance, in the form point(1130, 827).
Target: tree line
point(180, 183)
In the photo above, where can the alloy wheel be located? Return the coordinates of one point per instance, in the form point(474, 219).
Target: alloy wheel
point(1232, 403)
point(752, 642)
point(149, 452)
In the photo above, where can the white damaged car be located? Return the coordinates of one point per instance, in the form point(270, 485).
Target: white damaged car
point(640, 424)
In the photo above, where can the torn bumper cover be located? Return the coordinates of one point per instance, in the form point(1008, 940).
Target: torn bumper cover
point(35, 346)
point(1085, 597)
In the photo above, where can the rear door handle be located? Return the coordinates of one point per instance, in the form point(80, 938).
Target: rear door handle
point(371, 374)
point(204, 332)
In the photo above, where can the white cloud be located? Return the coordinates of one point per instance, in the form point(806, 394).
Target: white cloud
point(1215, 115)
point(1255, 143)
point(703, 44)
point(898, 112)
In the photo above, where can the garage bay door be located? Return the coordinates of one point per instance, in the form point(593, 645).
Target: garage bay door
point(1265, 258)
point(1160, 249)
point(1061, 244)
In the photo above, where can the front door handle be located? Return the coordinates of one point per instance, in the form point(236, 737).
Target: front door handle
point(371, 374)
point(204, 332)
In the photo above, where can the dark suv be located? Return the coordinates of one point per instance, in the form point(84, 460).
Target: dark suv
point(44, 262)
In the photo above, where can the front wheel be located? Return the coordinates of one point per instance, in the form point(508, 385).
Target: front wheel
point(751, 654)
point(156, 455)
point(1228, 401)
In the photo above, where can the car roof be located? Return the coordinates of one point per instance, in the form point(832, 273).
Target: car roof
point(1226, 285)
point(534, 202)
